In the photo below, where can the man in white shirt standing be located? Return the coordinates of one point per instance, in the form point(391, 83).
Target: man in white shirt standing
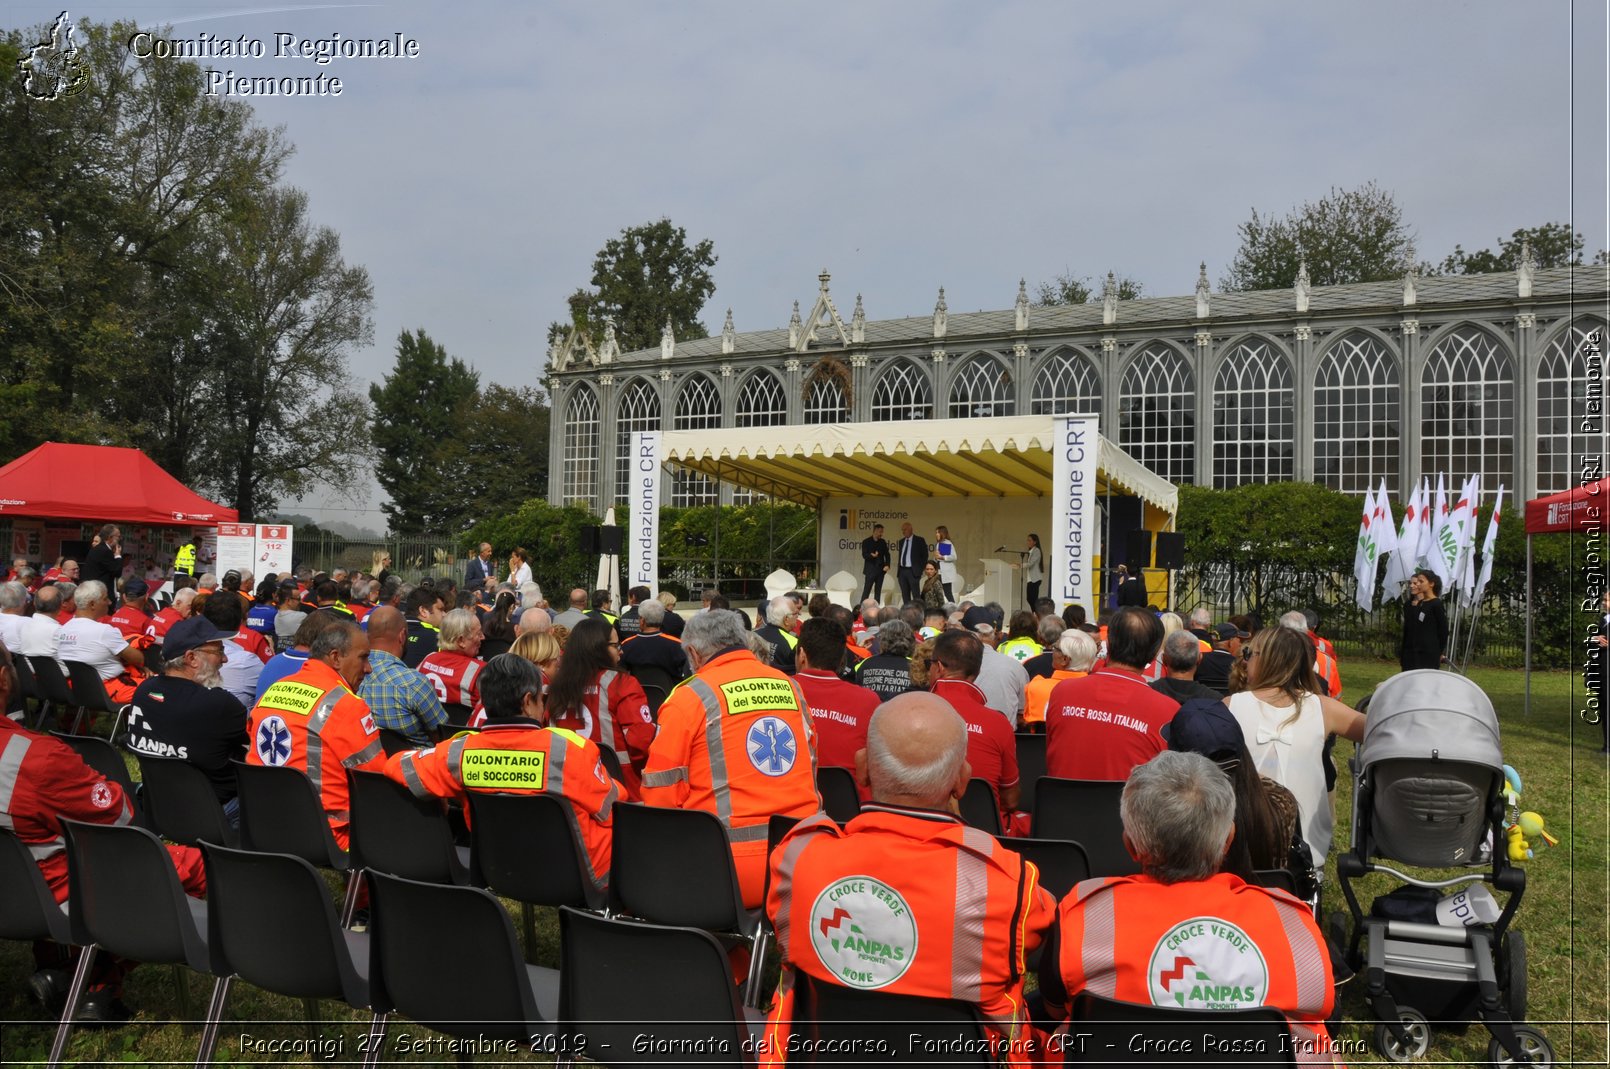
point(101, 646)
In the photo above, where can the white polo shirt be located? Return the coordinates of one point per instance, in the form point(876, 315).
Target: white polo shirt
point(92, 642)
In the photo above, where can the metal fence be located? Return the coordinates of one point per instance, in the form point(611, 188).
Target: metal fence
point(412, 558)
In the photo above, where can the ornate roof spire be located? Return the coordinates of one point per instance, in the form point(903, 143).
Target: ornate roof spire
point(824, 278)
point(1301, 287)
point(667, 340)
point(858, 323)
point(1109, 300)
point(610, 347)
point(1203, 306)
point(1408, 286)
point(1526, 271)
point(729, 336)
point(940, 319)
point(793, 328)
point(1021, 309)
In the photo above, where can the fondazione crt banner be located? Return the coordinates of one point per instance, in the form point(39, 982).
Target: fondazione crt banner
point(1075, 528)
point(643, 512)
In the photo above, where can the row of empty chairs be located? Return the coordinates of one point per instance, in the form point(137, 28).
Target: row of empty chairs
point(53, 692)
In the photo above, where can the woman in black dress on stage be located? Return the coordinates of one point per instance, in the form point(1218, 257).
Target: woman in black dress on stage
point(1425, 623)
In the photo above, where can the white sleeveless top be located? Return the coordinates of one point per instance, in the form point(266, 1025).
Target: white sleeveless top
point(1293, 757)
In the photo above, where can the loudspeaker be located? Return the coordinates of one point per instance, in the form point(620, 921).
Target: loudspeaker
point(589, 539)
point(1170, 550)
point(611, 540)
point(1123, 514)
point(1137, 550)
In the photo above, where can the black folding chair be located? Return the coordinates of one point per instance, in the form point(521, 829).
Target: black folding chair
point(396, 833)
point(473, 984)
point(27, 691)
point(1062, 864)
point(395, 742)
point(841, 799)
point(979, 807)
point(89, 694)
point(1030, 766)
point(656, 682)
point(838, 1024)
point(613, 977)
point(1085, 812)
point(458, 714)
point(304, 953)
point(525, 847)
point(51, 685)
point(1106, 1029)
point(280, 813)
point(125, 898)
point(31, 911)
point(180, 803)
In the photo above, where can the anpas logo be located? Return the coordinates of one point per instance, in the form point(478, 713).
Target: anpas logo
point(55, 68)
point(1207, 964)
point(863, 932)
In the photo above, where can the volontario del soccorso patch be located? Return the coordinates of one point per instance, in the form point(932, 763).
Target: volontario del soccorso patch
point(1207, 963)
point(863, 932)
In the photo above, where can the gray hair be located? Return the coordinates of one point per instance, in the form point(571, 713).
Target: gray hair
point(1201, 617)
point(530, 594)
point(209, 580)
point(184, 597)
point(13, 596)
point(67, 591)
point(457, 625)
point(246, 578)
point(1171, 623)
point(47, 599)
point(651, 612)
point(1178, 810)
point(758, 646)
point(1079, 648)
point(778, 609)
point(896, 639)
point(931, 782)
point(534, 620)
point(360, 589)
point(334, 638)
point(1182, 651)
point(1294, 620)
point(1049, 629)
point(708, 633)
point(88, 593)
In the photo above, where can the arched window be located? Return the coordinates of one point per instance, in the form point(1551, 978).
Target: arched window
point(1252, 416)
point(581, 448)
point(982, 387)
point(1157, 412)
point(1357, 401)
point(826, 393)
point(639, 411)
point(1562, 402)
point(903, 392)
point(698, 408)
point(761, 402)
point(1467, 410)
point(1067, 384)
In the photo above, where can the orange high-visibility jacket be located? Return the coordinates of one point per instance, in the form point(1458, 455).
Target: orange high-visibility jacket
point(522, 757)
point(311, 721)
point(736, 741)
point(1218, 943)
point(910, 902)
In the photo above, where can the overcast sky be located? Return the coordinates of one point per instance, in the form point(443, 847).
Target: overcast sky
point(901, 145)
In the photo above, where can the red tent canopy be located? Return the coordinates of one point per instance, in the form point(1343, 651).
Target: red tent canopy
point(1570, 510)
point(101, 484)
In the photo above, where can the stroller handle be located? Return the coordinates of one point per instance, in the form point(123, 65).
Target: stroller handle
point(1452, 881)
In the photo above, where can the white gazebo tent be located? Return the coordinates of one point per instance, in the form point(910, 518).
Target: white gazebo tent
point(990, 481)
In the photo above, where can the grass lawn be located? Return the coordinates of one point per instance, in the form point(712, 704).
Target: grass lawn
point(1563, 918)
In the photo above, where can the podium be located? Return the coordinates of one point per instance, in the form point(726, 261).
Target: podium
point(999, 585)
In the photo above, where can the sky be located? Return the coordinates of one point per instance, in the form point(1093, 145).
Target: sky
point(902, 145)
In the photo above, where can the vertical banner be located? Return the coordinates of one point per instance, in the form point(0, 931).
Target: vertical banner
point(237, 548)
point(274, 542)
point(1075, 538)
point(643, 555)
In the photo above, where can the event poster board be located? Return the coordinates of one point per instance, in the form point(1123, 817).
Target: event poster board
point(643, 512)
point(273, 554)
point(1075, 539)
point(260, 548)
point(237, 548)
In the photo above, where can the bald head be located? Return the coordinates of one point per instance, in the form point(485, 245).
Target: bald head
point(533, 621)
point(388, 630)
point(578, 599)
point(916, 752)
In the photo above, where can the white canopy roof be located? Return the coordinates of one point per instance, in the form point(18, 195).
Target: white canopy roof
point(1006, 456)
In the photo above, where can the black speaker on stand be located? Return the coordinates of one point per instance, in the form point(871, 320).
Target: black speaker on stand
point(1170, 550)
point(589, 539)
point(611, 540)
point(1137, 550)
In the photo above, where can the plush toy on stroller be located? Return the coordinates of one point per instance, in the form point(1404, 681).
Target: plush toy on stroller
point(1427, 793)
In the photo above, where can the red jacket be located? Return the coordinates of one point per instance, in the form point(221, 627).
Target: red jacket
point(991, 743)
point(1101, 726)
point(615, 714)
point(840, 713)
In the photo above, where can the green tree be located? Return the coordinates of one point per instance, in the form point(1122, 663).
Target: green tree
point(1552, 245)
point(1349, 235)
point(551, 534)
point(639, 279)
point(1068, 288)
point(287, 418)
point(417, 423)
point(506, 448)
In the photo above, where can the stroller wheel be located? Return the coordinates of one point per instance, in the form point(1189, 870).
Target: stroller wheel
point(1514, 974)
point(1534, 1046)
point(1415, 1043)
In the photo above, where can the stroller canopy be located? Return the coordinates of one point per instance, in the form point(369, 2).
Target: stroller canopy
point(1427, 713)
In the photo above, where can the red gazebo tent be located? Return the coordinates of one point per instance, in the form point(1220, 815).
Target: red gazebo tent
point(1581, 508)
point(102, 484)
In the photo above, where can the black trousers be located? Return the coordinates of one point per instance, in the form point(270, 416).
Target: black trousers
point(873, 587)
point(910, 585)
point(1034, 593)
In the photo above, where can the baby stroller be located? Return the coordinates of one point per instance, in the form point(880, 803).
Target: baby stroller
point(1427, 793)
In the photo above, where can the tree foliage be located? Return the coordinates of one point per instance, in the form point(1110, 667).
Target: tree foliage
point(1552, 245)
point(1068, 288)
point(417, 419)
point(639, 279)
point(1349, 235)
point(135, 216)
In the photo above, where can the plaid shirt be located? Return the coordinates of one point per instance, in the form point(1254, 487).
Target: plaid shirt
point(400, 698)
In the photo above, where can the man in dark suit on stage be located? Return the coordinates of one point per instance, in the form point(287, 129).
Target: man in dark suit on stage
point(874, 563)
point(911, 553)
point(481, 568)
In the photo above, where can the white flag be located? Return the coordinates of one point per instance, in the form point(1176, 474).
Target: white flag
point(1489, 546)
point(1365, 554)
point(1467, 533)
point(1404, 561)
point(1386, 542)
point(1444, 551)
point(1425, 522)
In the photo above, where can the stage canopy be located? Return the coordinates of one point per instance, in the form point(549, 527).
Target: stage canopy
point(944, 458)
point(101, 484)
point(1575, 509)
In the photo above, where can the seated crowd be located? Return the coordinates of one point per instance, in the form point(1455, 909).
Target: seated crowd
point(1220, 733)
